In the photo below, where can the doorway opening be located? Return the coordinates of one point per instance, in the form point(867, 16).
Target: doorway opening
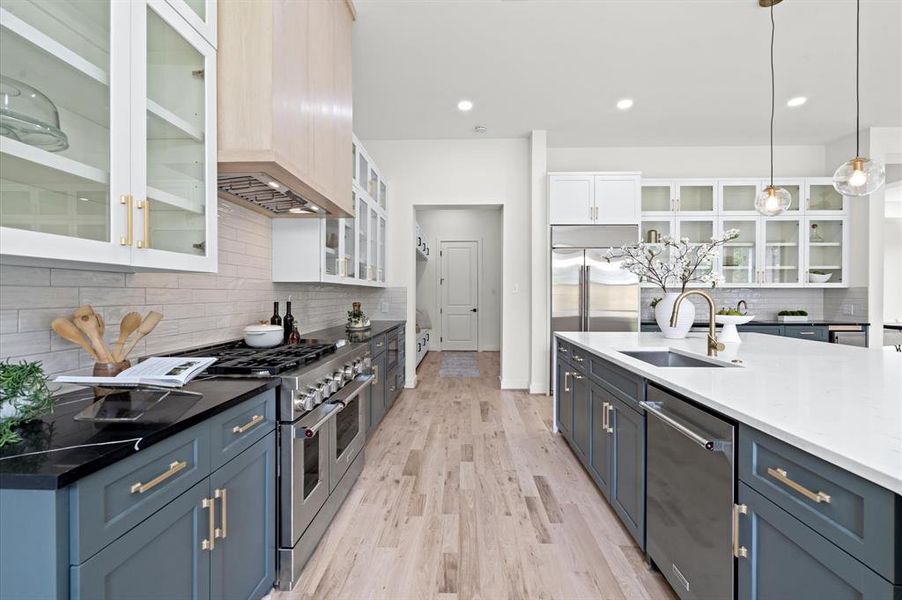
point(458, 278)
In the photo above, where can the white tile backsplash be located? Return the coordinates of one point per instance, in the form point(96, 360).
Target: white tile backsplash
point(764, 303)
point(198, 308)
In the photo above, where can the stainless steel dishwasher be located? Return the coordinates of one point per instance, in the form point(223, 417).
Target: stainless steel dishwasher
point(689, 520)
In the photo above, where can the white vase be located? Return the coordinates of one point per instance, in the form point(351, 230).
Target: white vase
point(663, 311)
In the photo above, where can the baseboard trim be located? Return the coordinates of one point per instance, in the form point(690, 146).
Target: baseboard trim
point(514, 384)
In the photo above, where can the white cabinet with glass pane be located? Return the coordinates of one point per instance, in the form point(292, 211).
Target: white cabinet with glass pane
point(781, 263)
point(678, 196)
point(349, 251)
point(821, 197)
point(108, 146)
point(200, 14)
point(827, 256)
point(739, 261)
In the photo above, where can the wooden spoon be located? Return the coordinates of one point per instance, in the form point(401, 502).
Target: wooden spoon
point(67, 330)
point(130, 322)
point(86, 321)
point(147, 325)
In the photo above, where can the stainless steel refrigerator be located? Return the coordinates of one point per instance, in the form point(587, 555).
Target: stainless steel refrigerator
point(588, 293)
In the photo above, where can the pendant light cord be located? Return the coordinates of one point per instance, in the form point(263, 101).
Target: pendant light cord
point(857, 67)
point(772, 85)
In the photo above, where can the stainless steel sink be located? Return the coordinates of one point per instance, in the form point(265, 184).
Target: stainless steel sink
point(668, 358)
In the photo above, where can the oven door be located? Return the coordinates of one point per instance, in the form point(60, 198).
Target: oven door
point(304, 480)
point(349, 433)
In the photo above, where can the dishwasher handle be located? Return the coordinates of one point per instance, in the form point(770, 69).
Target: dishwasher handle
point(654, 408)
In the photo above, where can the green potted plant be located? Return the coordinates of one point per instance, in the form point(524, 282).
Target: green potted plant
point(792, 316)
point(24, 397)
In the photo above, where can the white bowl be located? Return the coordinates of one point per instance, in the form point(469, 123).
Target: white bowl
point(734, 319)
point(728, 333)
point(263, 336)
point(818, 278)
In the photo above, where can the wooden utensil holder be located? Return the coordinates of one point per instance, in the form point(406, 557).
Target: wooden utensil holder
point(103, 369)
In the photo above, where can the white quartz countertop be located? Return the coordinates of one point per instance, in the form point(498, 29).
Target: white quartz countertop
point(840, 403)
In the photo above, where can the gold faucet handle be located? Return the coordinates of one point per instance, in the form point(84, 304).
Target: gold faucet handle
point(714, 344)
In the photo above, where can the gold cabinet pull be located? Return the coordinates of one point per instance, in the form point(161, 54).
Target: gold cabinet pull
point(567, 375)
point(145, 206)
point(126, 200)
point(222, 531)
point(739, 551)
point(174, 468)
point(781, 476)
point(241, 429)
point(210, 542)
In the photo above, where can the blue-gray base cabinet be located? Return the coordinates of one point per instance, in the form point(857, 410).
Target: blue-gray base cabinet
point(387, 364)
point(600, 417)
point(191, 517)
point(817, 332)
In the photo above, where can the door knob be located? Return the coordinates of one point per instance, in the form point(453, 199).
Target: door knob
point(473, 310)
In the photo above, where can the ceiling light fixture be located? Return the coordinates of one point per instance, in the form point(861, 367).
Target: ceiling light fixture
point(625, 104)
point(465, 105)
point(859, 176)
point(480, 129)
point(772, 200)
point(796, 101)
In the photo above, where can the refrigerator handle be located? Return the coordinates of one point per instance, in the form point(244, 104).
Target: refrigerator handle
point(586, 298)
point(581, 297)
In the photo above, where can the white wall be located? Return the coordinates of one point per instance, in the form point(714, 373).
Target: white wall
point(693, 161)
point(460, 172)
point(464, 224)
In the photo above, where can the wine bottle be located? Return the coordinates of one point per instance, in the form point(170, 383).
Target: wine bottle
point(275, 319)
point(294, 337)
point(287, 321)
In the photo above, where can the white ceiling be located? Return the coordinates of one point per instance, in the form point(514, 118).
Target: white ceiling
point(697, 69)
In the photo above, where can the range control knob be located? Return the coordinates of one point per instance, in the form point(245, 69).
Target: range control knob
point(324, 389)
point(338, 380)
point(358, 367)
point(348, 372)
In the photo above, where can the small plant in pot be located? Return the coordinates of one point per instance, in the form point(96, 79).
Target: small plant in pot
point(24, 397)
point(670, 265)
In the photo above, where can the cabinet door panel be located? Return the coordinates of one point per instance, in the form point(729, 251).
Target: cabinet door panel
point(564, 398)
point(570, 200)
point(789, 560)
point(243, 561)
point(160, 558)
point(628, 469)
point(377, 392)
point(599, 438)
point(580, 385)
point(616, 200)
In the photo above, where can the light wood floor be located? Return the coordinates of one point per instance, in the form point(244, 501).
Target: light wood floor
point(467, 493)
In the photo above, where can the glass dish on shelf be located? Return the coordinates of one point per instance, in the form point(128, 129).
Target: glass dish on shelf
point(28, 116)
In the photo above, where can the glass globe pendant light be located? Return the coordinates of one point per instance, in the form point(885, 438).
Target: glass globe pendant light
point(859, 176)
point(772, 200)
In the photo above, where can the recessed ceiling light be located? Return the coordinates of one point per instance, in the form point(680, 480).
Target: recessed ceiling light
point(273, 184)
point(465, 105)
point(797, 101)
point(625, 104)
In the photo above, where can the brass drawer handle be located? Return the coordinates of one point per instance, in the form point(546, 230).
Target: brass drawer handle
point(145, 206)
point(209, 543)
point(126, 240)
point(174, 468)
point(241, 429)
point(781, 476)
point(222, 532)
point(739, 551)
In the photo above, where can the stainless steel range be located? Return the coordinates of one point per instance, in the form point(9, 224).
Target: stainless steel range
point(322, 412)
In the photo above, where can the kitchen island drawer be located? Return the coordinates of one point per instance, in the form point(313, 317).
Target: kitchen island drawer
point(106, 504)
point(627, 387)
point(563, 349)
point(853, 513)
point(817, 333)
point(238, 428)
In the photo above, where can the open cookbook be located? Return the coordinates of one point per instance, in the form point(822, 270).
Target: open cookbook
point(156, 371)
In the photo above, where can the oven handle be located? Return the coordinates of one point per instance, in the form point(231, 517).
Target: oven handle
point(654, 409)
point(360, 383)
point(311, 431)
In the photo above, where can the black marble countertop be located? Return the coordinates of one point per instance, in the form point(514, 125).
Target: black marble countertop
point(107, 443)
point(340, 332)
point(775, 322)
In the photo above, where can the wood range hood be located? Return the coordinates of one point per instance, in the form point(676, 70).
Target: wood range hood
point(285, 107)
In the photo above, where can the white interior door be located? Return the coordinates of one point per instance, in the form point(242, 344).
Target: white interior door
point(459, 295)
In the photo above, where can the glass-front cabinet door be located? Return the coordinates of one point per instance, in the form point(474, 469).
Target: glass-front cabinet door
point(362, 222)
point(782, 259)
point(739, 257)
point(201, 14)
point(698, 230)
point(381, 270)
point(177, 89)
point(332, 257)
point(822, 198)
point(656, 197)
point(826, 242)
point(738, 196)
point(348, 258)
point(695, 196)
point(64, 127)
point(373, 258)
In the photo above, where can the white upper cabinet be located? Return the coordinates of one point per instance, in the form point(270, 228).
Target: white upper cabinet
point(593, 198)
point(685, 196)
point(200, 14)
point(118, 106)
point(821, 197)
point(349, 251)
point(571, 199)
point(737, 196)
